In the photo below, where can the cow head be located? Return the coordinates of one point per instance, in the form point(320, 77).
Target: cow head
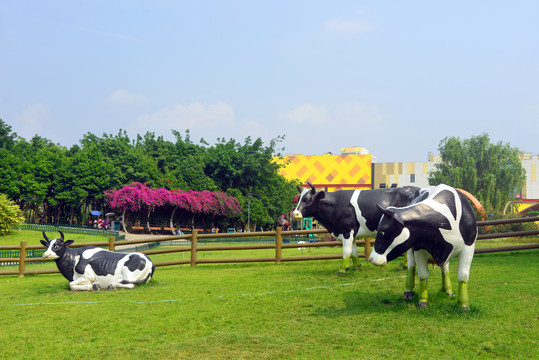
point(392, 238)
point(308, 202)
point(56, 247)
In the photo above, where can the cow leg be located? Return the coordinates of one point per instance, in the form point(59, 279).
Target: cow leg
point(120, 284)
point(81, 284)
point(446, 281)
point(410, 276)
point(421, 258)
point(355, 257)
point(465, 262)
point(346, 252)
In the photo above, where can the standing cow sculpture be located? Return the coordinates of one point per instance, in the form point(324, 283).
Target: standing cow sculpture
point(350, 214)
point(92, 268)
point(438, 224)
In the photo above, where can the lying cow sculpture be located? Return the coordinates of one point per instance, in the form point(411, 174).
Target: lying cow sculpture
point(92, 268)
point(438, 224)
point(350, 214)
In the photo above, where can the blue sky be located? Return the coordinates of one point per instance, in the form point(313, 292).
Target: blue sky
point(395, 77)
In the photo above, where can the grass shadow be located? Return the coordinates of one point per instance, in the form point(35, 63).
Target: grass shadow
point(360, 303)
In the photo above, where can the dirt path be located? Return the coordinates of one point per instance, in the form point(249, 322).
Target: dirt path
point(142, 236)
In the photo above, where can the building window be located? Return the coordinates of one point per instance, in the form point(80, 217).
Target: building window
point(412, 178)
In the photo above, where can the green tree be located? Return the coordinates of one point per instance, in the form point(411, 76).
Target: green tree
point(9, 175)
point(7, 137)
point(491, 172)
point(40, 161)
point(10, 215)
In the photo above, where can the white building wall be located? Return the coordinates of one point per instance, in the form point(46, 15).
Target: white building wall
point(415, 174)
point(421, 170)
point(531, 165)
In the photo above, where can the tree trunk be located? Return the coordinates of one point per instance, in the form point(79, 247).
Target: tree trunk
point(123, 221)
point(171, 223)
point(148, 219)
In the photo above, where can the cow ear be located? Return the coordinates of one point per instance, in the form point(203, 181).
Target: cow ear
point(69, 242)
point(320, 195)
point(389, 213)
point(385, 211)
point(46, 244)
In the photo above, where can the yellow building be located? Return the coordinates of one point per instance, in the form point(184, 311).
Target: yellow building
point(329, 172)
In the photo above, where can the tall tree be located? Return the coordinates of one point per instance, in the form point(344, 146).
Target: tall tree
point(10, 215)
point(491, 172)
point(7, 137)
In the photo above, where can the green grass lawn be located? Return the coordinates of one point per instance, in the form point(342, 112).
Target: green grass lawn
point(299, 310)
point(14, 237)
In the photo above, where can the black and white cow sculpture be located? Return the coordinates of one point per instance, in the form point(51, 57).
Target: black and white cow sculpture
point(350, 214)
point(92, 268)
point(438, 224)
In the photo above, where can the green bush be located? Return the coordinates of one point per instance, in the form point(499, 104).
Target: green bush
point(10, 215)
point(503, 228)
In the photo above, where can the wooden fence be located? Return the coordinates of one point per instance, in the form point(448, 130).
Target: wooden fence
point(194, 248)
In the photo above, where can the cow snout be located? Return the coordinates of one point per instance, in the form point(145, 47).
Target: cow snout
point(49, 255)
point(377, 259)
point(297, 215)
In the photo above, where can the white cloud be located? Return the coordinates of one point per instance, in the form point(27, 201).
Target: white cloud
point(99, 32)
point(32, 120)
point(351, 112)
point(307, 114)
point(124, 97)
point(356, 112)
point(179, 117)
point(349, 25)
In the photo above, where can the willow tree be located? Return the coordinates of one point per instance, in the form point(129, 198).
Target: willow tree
point(491, 172)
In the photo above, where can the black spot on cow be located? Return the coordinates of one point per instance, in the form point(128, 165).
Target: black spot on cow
point(135, 263)
point(447, 198)
point(103, 263)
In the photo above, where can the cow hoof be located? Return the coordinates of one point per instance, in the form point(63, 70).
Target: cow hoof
point(408, 295)
point(465, 308)
point(450, 294)
point(422, 305)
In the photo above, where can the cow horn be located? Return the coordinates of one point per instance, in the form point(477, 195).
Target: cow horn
point(45, 236)
point(313, 190)
point(61, 235)
point(299, 189)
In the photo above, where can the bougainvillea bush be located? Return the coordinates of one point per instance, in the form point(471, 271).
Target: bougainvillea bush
point(139, 197)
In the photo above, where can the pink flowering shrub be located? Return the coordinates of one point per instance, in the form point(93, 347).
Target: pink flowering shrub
point(138, 196)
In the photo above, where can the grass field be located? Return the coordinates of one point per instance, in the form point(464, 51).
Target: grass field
point(299, 310)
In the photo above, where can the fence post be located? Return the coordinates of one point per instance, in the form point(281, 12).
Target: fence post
point(194, 243)
point(368, 248)
point(22, 259)
point(112, 239)
point(278, 244)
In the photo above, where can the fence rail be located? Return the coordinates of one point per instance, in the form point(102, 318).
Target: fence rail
point(24, 253)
